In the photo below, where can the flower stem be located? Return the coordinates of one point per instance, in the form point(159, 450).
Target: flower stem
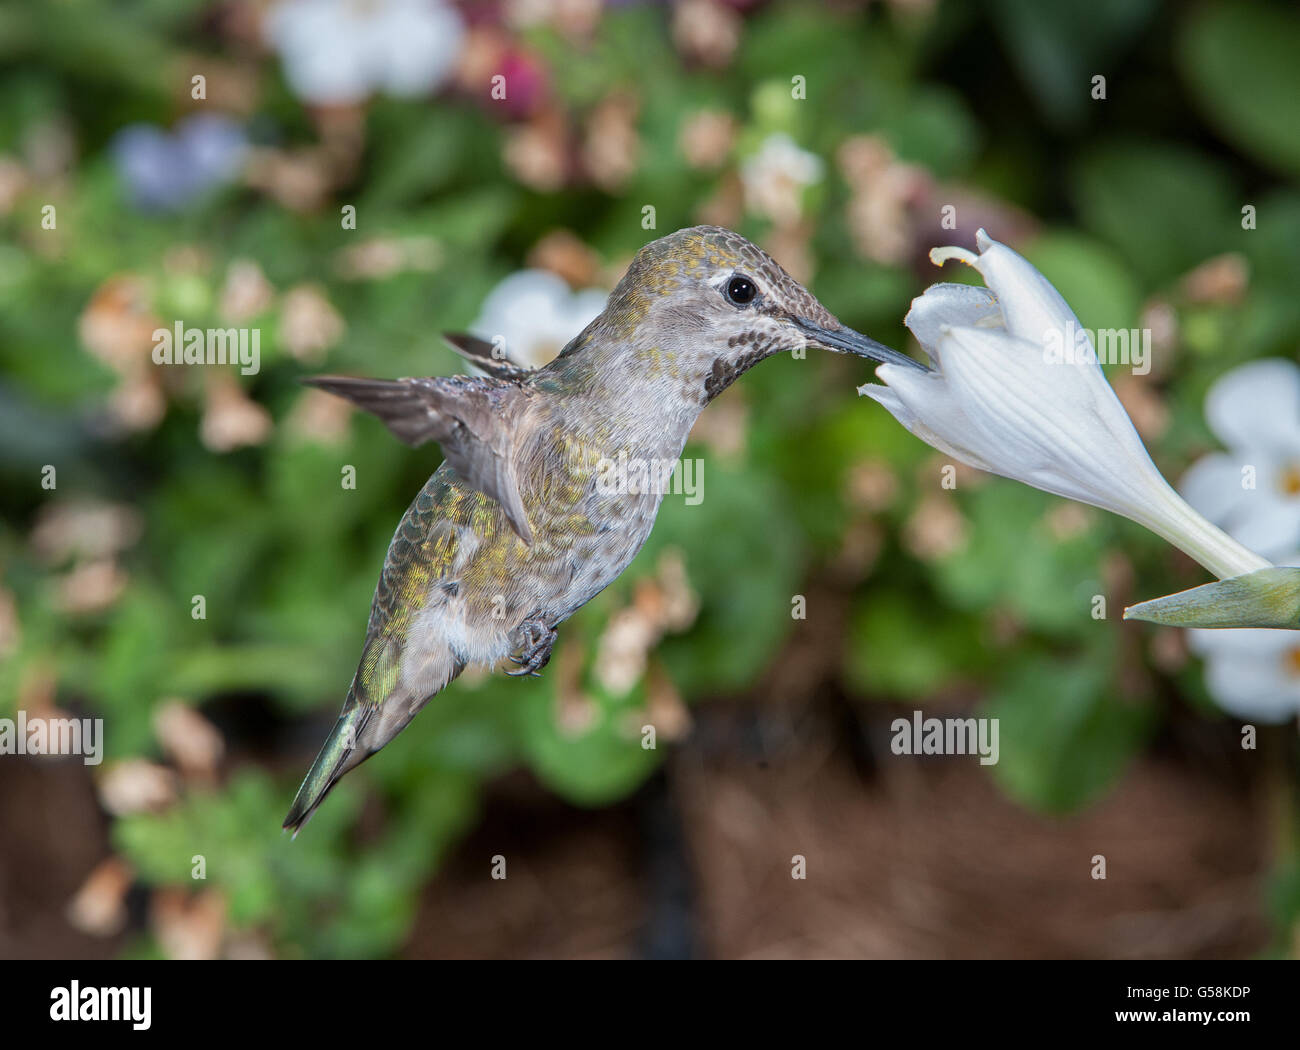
point(1198, 538)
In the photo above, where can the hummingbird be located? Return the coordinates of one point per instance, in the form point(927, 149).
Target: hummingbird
point(514, 532)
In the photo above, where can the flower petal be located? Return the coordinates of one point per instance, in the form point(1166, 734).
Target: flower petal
point(922, 402)
point(949, 306)
point(415, 46)
point(1031, 307)
point(1213, 486)
point(1257, 407)
point(1265, 517)
point(536, 314)
point(1270, 526)
point(1248, 672)
point(1041, 422)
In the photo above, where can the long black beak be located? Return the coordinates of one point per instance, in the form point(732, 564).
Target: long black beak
point(847, 341)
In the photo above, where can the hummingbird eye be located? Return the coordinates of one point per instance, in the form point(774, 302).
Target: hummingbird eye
point(741, 290)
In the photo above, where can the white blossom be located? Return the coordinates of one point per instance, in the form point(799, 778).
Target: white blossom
point(1253, 489)
point(775, 178)
point(341, 51)
point(532, 314)
point(1017, 390)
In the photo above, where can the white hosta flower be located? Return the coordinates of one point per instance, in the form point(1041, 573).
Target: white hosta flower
point(1253, 489)
point(341, 51)
point(1017, 390)
point(1253, 674)
point(775, 177)
point(532, 314)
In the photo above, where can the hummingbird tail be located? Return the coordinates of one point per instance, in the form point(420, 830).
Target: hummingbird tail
point(340, 753)
point(377, 708)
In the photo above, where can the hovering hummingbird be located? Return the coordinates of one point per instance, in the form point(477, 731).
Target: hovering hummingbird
point(513, 533)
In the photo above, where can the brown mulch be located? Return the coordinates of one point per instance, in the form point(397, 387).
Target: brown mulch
point(906, 858)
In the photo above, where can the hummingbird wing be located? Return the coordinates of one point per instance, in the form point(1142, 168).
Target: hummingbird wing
point(481, 354)
point(471, 417)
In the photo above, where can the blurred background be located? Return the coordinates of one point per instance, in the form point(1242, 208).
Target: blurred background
point(341, 178)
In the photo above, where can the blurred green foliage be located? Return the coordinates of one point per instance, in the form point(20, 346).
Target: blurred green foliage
point(1130, 193)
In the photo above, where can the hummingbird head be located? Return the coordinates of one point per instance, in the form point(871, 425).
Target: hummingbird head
point(705, 305)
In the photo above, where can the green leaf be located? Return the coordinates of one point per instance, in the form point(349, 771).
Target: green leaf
point(1064, 737)
point(1267, 598)
point(132, 665)
point(1240, 61)
point(744, 556)
point(1013, 559)
point(591, 765)
point(1060, 46)
point(1165, 207)
point(903, 646)
point(418, 151)
point(1091, 277)
point(934, 128)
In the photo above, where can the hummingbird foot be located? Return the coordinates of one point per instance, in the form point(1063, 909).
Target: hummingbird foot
point(535, 652)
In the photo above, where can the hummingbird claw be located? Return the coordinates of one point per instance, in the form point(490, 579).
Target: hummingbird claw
point(535, 651)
